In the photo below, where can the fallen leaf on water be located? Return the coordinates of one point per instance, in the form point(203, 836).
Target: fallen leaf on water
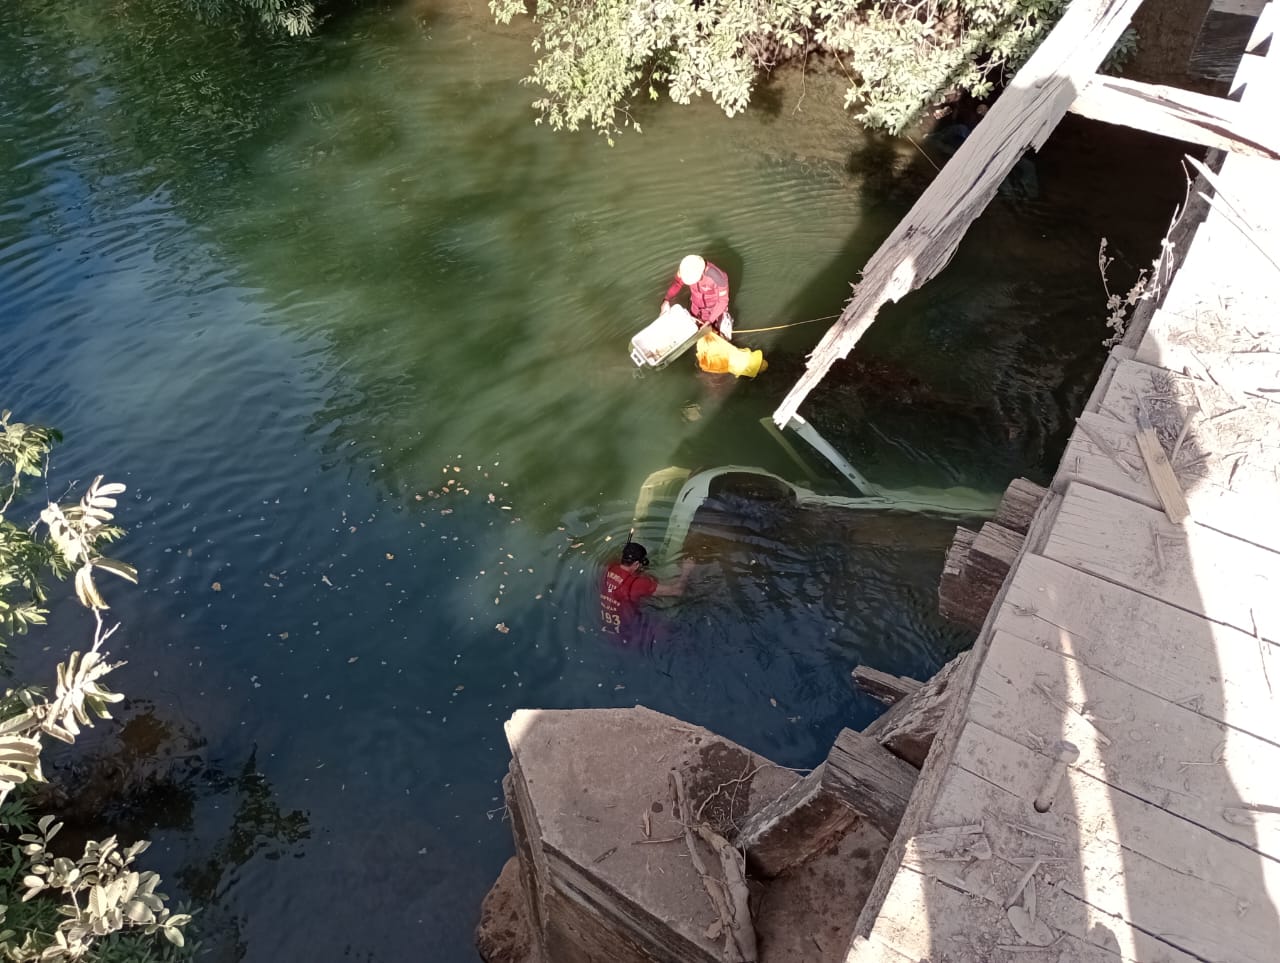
point(390, 556)
point(216, 586)
point(353, 528)
point(417, 498)
point(492, 498)
point(446, 511)
point(576, 545)
point(284, 635)
point(354, 658)
point(458, 688)
point(773, 702)
point(502, 627)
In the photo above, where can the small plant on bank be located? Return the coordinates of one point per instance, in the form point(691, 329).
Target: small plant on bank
point(1149, 284)
point(53, 907)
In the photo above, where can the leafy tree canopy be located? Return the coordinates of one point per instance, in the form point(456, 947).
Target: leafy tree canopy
point(596, 57)
point(297, 18)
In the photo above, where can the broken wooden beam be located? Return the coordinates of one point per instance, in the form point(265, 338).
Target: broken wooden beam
point(860, 779)
point(1179, 114)
point(870, 780)
point(909, 727)
point(1019, 505)
point(882, 686)
point(926, 239)
point(801, 823)
point(975, 568)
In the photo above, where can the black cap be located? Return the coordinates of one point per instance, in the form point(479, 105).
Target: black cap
point(634, 552)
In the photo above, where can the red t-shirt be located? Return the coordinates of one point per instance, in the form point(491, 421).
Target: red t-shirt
point(708, 296)
point(620, 595)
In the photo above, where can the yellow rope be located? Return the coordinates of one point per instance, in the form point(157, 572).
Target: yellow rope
point(779, 327)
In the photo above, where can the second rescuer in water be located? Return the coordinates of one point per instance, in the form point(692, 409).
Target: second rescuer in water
point(625, 585)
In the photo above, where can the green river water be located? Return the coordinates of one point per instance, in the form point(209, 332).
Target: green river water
point(285, 292)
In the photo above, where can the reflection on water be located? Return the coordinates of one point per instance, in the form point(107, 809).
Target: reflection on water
point(354, 331)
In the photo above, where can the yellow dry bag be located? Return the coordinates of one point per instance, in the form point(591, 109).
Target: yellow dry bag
point(718, 356)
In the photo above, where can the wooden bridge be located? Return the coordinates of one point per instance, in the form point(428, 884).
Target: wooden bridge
point(1109, 789)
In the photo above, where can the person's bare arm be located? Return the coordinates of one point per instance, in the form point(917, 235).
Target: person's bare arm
point(677, 586)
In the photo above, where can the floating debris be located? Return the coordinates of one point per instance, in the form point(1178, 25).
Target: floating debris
point(502, 627)
point(216, 586)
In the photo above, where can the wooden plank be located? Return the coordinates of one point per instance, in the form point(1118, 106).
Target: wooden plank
point(1220, 274)
point(804, 821)
point(1018, 505)
point(1195, 568)
point(884, 686)
point(924, 241)
point(1115, 855)
point(1232, 446)
point(1205, 667)
point(1246, 339)
point(925, 918)
point(1171, 112)
point(1243, 8)
point(1264, 30)
point(1160, 472)
point(869, 779)
point(910, 726)
point(1163, 754)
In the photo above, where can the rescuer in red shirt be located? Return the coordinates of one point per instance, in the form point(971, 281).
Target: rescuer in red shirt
point(625, 585)
point(708, 294)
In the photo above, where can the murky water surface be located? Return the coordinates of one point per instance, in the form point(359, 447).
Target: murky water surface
point(353, 329)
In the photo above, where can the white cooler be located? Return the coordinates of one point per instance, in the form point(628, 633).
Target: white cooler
point(670, 336)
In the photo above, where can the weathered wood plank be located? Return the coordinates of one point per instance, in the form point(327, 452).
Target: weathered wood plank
point(884, 686)
point(1171, 112)
point(1160, 472)
point(1242, 8)
point(1018, 505)
point(960, 599)
point(925, 918)
point(1195, 568)
point(801, 823)
point(1116, 855)
point(1233, 511)
point(1208, 668)
point(910, 726)
point(870, 780)
point(925, 240)
point(1228, 460)
point(1165, 755)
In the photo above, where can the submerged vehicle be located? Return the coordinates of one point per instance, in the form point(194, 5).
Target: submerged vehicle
point(686, 492)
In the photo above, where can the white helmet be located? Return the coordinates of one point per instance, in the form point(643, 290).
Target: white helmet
point(691, 268)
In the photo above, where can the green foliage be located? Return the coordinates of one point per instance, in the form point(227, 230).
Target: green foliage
point(94, 906)
point(596, 59)
point(70, 541)
point(297, 18)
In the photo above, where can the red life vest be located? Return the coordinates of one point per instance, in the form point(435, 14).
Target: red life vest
point(620, 595)
point(708, 296)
